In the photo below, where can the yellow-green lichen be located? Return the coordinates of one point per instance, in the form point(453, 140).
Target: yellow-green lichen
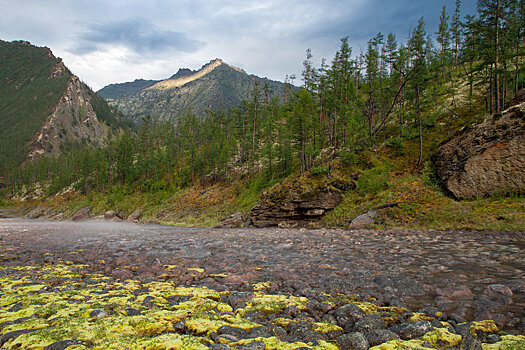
point(414, 344)
point(508, 342)
point(323, 327)
point(418, 316)
point(487, 326)
point(273, 343)
point(442, 338)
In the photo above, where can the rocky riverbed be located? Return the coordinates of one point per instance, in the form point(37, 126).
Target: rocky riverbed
point(114, 285)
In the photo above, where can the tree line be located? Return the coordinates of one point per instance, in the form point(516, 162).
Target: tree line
point(344, 106)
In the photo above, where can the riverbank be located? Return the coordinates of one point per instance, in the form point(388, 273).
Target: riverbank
point(403, 276)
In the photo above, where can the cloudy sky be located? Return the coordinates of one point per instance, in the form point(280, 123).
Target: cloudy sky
point(112, 41)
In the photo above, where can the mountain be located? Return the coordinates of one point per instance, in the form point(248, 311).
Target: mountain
point(44, 108)
point(217, 85)
point(113, 91)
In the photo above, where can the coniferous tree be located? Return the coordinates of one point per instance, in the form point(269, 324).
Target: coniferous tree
point(443, 38)
point(419, 68)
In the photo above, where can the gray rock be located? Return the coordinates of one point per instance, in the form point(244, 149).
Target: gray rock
point(363, 220)
point(263, 331)
point(380, 336)
point(219, 347)
point(37, 212)
point(256, 345)
point(235, 331)
point(4, 338)
point(353, 341)
point(411, 330)
point(348, 313)
point(401, 285)
point(238, 299)
point(98, 313)
point(235, 220)
point(470, 343)
point(63, 344)
point(486, 159)
point(369, 322)
point(135, 216)
point(287, 205)
point(82, 214)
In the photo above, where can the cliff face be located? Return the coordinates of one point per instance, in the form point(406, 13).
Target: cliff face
point(44, 108)
point(73, 121)
point(486, 159)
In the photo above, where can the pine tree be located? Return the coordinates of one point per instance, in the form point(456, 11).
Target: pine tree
point(456, 31)
point(419, 69)
point(443, 38)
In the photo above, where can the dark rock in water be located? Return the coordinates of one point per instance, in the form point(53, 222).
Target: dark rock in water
point(82, 214)
point(235, 331)
point(353, 341)
point(289, 205)
point(411, 330)
point(256, 345)
point(219, 347)
point(302, 331)
point(263, 331)
point(4, 338)
point(470, 343)
point(369, 322)
point(133, 312)
point(486, 159)
point(400, 285)
point(98, 313)
point(63, 344)
point(238, 299)
point(380, 336)
point(455, 292)
point(348, 313)
point(498, 292)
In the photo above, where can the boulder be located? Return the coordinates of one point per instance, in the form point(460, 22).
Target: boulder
point(297, 202)
point(235, 220)
point(37, 212)
point(135, 216)
point(486, 159)
point(115, 215)
point(353, 341)
point(82, 214)
point(411, 330)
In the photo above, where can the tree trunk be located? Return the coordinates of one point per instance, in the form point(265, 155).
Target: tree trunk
point(420, 160)
point(496, 67)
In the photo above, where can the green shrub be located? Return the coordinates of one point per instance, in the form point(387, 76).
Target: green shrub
point(373, 181)
point(320, 170)
point(349, 158)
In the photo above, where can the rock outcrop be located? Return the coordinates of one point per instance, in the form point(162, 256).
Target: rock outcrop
point(297, 203)
point(73, 121)
point(486, 159)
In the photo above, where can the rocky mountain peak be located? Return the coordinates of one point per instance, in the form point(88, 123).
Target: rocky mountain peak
point(182, 72)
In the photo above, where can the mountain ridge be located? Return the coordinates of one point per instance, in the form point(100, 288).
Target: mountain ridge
point(216, 85)
point(44, 108)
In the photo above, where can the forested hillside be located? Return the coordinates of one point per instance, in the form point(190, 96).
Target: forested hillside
point(380, 114)
point(29, 89)
point(44, 109)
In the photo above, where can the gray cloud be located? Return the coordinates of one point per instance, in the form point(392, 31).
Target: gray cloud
point(153, 39)
point(137, 34)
